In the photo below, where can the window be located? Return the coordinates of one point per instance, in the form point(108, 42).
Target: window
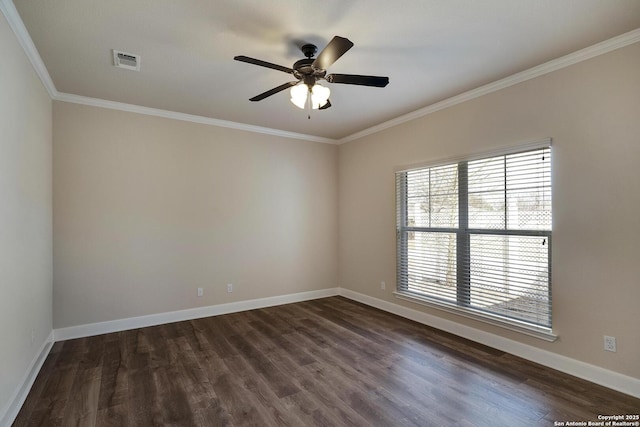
point(474, 237)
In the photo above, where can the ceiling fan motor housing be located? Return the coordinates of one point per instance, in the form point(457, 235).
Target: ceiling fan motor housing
point(303, 70)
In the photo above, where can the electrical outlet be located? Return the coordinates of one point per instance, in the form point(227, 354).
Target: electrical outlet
point(383, 285)
point(200, 292)
point(229, 287)
point(610, 343)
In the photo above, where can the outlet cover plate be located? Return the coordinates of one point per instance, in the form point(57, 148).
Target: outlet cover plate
point(610, 343)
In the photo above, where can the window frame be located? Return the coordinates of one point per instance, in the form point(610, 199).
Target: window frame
point(463, 237)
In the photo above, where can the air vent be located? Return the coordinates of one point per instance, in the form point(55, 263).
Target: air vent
point(126, 60)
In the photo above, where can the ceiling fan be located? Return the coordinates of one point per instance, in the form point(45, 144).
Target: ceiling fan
point(305, 90)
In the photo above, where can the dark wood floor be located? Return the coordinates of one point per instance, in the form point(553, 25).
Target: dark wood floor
point(325, 362)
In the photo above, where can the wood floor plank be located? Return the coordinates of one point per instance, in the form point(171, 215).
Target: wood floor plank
point(323, 396)
point(172, 402)
point(278, 380)
point(113, 383)
point(242, 405)
point(142, 403)
point(201, 397)
point(264, 395)
point(217, 330)
point(326, 362)
point(82, 406)
point(50, 407)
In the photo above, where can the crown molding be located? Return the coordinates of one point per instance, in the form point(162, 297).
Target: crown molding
point(17, 26)
point(95, 102)
point(15, 22)
point(601, 48)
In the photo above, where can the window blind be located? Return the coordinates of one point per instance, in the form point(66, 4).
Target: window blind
point(476, 236)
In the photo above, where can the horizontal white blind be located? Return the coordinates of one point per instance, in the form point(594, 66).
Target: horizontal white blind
point(432, 196)
point(477, 235)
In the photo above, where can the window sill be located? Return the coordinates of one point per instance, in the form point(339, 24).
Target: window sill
point(510, 324)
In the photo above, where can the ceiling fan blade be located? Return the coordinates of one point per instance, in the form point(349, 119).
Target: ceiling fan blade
point(254, 61)
point(330, 54)
point(354, 79)
point(274, 91)
point(325, 106)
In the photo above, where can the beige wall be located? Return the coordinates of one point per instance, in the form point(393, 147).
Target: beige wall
point(147, 209)
point(25, 215)
point(592, 112)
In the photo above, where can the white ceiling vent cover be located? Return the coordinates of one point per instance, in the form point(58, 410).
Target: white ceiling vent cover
point(126, 60)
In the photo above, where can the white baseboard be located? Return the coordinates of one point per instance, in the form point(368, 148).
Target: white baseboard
point(8, 415)
point(11, 411)
point(595, 374)
point(118, 325)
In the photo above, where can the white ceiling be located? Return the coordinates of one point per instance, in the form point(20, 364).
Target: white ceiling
point(430, 49)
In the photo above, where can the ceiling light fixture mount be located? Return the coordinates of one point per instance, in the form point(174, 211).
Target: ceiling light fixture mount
point(305, 91)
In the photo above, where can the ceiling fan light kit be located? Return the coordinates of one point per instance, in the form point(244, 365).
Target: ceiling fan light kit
point(305, 91)
point(319, 95)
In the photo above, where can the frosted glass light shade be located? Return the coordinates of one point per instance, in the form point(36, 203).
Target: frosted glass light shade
point(299, 95)
point(319, 96)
